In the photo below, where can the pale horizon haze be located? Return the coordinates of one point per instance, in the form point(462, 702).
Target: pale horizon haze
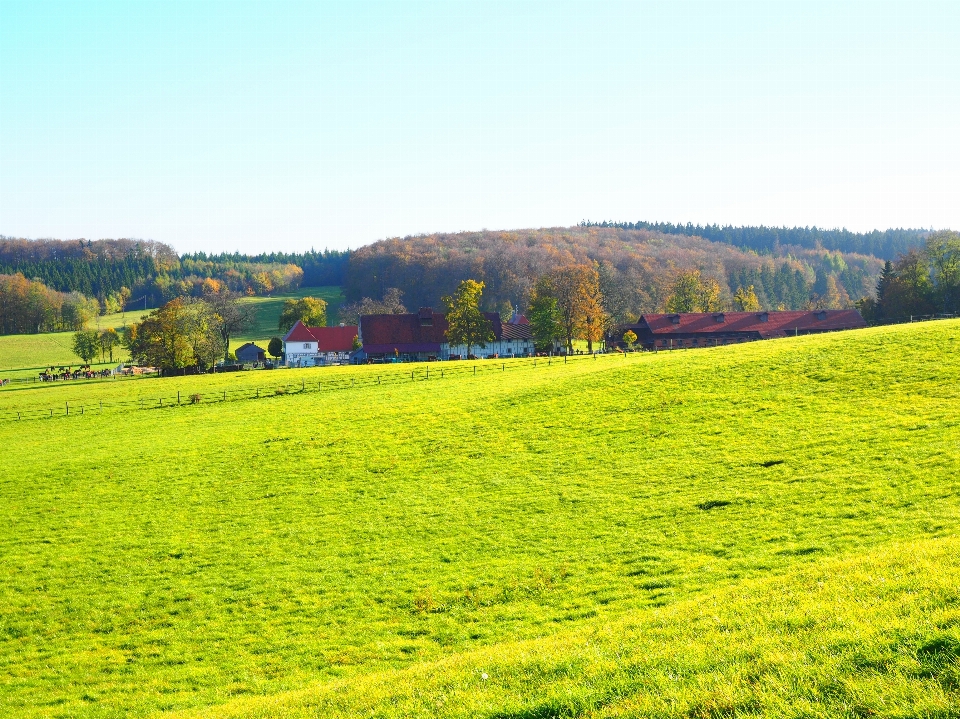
point(259, 126)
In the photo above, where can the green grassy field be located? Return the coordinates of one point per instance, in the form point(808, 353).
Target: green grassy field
point(762, 529)
point(23, 355)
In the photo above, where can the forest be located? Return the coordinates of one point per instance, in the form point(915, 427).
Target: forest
point(120, 272)
point(885, 244)
point(637, 268)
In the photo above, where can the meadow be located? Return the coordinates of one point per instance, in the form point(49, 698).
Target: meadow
point(762, 529)
point(25, 355)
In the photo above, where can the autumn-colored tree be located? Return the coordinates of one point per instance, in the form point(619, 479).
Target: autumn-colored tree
point(312, 311)
point(579, 304)
point(182, 333)
point(745, 299)
point(357, 344)
point(691, 292)
point(630, 338)
point(466, 323)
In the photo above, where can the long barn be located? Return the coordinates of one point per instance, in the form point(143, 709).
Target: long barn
point(707, 329)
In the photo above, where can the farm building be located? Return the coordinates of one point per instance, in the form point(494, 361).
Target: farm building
point(250, 353)
point(706, 329)
point(422, 336)
point(312, 346)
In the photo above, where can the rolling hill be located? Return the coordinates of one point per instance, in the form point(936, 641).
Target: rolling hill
point(742, 530)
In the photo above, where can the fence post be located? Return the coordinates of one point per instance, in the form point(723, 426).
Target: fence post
point(68, 409)
point(474, 370)
point(378, 379)
point(564, 359)
point(353, 381)
point(161, 401)
point(428, 373)
point(503, 367)
point(303, 385)
point(178, 396)
point(258, 393)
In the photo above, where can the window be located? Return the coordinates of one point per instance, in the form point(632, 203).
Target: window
point(306, 345)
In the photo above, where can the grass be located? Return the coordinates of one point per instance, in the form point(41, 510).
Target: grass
point(740, 530)
point(24, 355)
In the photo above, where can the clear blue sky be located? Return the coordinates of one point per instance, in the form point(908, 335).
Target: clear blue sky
point(286, 125)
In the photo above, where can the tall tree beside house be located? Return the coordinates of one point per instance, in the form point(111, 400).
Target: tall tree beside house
point(466, 323)
point(232, 316)
point(312, 311)
point(544, 316)
point(275, 347)
point(691, 292)
point(86, 344)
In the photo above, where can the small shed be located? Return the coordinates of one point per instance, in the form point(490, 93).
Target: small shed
point(250, 353)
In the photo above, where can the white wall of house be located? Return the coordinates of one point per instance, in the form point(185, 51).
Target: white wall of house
point(305, 354)
point(499, 347)
point(300, 354)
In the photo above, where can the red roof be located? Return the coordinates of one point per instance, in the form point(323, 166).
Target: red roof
point(299, 333)
point(328, 339)
point(425, 327)
point(767, 324)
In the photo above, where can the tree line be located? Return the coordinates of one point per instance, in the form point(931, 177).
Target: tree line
point(29, 306)
point(923, 281)
point(885, 244)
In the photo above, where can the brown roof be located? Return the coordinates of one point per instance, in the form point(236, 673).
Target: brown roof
point(767, 324)
point(517, 332)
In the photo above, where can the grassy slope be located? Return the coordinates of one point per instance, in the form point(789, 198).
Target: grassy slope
point(382, 545)
point(20, 355)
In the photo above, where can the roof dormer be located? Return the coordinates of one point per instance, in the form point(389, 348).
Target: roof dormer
point(718, 317)
point(675, 319)
point(426, 316)
point(763, 316)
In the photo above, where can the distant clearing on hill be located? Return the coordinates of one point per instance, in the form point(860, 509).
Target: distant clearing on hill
point(761, 529)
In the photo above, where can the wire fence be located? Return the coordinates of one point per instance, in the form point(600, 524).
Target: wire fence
point(421, 373)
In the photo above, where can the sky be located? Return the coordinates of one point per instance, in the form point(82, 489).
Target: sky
point(260, 126)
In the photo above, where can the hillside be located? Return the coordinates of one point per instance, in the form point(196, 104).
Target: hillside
point(740, 529)
point(637, 267)
point(22, 355)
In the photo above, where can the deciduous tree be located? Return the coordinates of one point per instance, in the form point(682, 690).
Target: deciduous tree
point(466, 323)
point(86, 344)
point(312, 311)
